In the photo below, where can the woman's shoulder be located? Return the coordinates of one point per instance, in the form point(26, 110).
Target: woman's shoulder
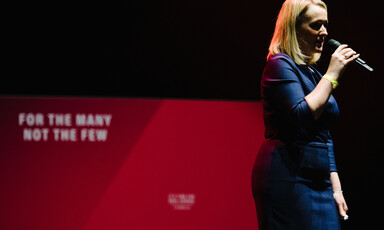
point(280, 62)
point(280, 58)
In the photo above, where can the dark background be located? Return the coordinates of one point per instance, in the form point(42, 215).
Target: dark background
point(197, 49)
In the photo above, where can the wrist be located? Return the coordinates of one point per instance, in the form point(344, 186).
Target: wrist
point(332, 80)
point(337, 193)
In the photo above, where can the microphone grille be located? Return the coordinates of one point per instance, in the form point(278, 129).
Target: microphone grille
point(333, 44)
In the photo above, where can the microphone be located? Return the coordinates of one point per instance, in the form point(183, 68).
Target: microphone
point(333, 44)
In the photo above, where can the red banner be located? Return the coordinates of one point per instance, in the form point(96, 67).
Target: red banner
point(90, 164)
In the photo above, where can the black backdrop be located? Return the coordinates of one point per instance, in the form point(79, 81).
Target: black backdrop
point(197, 49)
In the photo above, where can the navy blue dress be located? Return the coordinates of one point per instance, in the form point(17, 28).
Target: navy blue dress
point(291, 175)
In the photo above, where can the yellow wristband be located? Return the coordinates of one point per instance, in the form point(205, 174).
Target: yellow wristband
point(332, 80)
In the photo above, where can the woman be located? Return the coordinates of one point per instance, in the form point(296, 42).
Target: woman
point(295, 180)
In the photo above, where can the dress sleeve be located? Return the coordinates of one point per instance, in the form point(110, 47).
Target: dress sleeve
point(331, 156)
point(281, 85)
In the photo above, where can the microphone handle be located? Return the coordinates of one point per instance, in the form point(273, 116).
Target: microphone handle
point(362, 63)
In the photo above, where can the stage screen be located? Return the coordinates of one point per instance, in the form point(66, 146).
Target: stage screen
point(108, 163)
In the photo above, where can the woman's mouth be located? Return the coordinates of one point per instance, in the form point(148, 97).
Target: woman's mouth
point(319, 42)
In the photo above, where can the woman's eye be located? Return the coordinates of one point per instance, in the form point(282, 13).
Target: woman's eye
point(318, 25)
point(315, 26)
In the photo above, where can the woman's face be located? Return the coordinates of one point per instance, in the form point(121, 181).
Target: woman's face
point(313, 30)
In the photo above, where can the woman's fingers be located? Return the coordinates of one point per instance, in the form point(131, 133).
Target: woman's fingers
point(342, 56)
point(346, 54)
point(342, 210)
point(354, 57)
point(340, 48)
point(345, 207)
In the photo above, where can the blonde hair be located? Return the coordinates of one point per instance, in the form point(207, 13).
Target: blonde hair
point(285, 39)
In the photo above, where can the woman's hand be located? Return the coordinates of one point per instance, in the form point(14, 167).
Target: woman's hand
point(340, 202)
point(338, 195)
point(340, 59)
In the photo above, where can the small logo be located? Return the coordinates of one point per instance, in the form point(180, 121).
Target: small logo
point(181, 201)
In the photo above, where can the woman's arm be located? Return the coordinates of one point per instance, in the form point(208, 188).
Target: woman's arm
point(338, 194)
point(283, 89)
point(318, 98)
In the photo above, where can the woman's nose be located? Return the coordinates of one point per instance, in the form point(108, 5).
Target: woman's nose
point(323, 31)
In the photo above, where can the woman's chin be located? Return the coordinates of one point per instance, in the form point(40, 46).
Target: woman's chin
point(318, 49)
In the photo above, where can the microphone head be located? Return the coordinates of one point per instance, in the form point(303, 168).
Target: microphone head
point(333, 44)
